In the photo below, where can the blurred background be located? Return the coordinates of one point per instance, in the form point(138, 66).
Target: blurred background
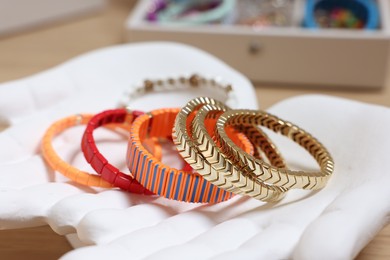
point(286, 48)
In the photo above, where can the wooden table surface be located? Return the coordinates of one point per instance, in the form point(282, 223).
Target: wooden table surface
point(34, 50)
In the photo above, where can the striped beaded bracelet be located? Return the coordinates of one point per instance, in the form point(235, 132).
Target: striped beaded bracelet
point(162, 179)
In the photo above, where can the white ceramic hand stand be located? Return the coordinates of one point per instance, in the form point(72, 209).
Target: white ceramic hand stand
point(334, 223)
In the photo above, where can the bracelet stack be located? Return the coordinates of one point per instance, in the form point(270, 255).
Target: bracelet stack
point(225, 150)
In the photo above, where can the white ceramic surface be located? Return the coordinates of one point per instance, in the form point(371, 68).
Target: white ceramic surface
point(334, 223)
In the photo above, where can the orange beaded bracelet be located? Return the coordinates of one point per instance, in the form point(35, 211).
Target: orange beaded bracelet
point(56, 163)
point(82, 177)
point(162, 179)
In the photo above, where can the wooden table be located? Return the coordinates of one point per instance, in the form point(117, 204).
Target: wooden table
point(32, 51)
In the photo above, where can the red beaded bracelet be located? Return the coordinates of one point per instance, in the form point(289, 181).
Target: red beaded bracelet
point(99, 163)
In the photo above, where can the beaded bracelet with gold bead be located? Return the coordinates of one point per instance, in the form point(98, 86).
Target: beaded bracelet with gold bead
point(193, 81)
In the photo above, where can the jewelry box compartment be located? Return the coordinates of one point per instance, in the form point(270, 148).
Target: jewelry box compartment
point(296, 53)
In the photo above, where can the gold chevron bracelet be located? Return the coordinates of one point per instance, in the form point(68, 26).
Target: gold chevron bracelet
point(206, 158)
point(265, 172)
point(233, 172)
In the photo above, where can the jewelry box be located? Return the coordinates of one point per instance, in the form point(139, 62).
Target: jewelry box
point(296, 54)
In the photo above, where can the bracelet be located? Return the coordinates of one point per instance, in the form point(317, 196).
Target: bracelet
point(89, 179)
point(233, 172)
point(98, 162)
point(265, 172)
point(160, 178)
point(204, 155)
point(180, 83)
point(56, 163)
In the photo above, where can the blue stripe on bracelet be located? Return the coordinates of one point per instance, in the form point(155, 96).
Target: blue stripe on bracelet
point(170, 183)
point(178, 183)
point(160, 186)
point(154, 176)
point(186, 188)
point(195, 189)
point(202, 192)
